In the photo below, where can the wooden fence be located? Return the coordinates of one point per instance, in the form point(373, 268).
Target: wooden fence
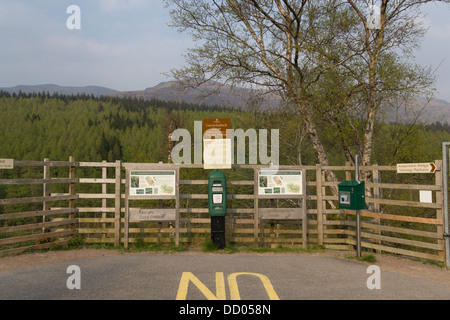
point(89, 199)
point(31, 221)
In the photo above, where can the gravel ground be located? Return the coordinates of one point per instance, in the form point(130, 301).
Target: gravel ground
point(404, 266)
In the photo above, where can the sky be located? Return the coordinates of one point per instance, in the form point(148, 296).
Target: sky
point(127, 44)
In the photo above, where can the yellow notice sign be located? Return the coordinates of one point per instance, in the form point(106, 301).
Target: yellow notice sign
point(6, 163)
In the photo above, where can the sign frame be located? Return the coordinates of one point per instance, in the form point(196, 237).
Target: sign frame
point(128, 197)
point(273, 214)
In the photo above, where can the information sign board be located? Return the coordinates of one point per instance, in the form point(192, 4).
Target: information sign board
point(280, 182)
point(152, 183)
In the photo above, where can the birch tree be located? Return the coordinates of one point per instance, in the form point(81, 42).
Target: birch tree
point(256, 43)
point(303, 50)
point(386, 33)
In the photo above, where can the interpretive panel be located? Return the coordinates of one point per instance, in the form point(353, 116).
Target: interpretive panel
point(152, 183)
point(280, 182)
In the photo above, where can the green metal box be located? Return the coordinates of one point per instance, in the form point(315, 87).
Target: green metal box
point(217, 194)
point(352, 195)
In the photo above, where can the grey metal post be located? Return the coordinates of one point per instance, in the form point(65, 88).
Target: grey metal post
point(446, 220)
point(358, 214)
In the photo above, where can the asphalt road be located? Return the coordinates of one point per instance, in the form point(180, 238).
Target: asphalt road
point(205, 276)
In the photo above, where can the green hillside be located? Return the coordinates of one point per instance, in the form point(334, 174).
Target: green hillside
point(38, 126)
point(34, 127)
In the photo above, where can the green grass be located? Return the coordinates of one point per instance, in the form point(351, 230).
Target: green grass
point(230, 248)
point(209, 246)
point(433, 263)
point(370, 258)
point(76, 242)
point(141, 246)
point(281, 249)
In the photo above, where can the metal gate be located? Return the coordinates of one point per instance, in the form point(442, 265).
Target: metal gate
point(445, 165)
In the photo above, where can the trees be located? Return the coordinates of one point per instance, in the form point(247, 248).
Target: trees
point(381, 55)
point(257, 43)
point(323, 57)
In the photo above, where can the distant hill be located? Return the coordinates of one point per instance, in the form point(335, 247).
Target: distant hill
point(436, 110)
point(65, 90)
point(214, 94)
point(210, 94)
point(430, 112)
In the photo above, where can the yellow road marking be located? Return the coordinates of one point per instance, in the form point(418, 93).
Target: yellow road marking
point(188, 277)
point(234, 291)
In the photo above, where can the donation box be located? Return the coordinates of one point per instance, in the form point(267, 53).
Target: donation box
point(352, 195)
point(217, 206)
point(217, 194)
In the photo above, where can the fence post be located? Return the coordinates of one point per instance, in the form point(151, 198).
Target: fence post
point(348, 173)
point(177, 207)
point(255, 207)
point(117, 205)
point(45, 193)
point(440, 201)
point(445, 162)
point(376, 189)
point(305, 237)
point(324, 207)
point(126, 215)
point(376, 195)
point(319, 204)
point(104, 200)
point(350, 237)
point(71, 186)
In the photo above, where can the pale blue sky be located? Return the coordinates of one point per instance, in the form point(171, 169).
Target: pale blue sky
point(127, 45)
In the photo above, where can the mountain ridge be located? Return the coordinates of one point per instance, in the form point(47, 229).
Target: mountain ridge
point(210, 93)
point(214, 94)
point(435, 110)
point(64, 90)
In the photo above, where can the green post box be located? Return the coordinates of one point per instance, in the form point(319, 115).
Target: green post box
point(352, 195)
point(217, 206)
point(217, 194)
